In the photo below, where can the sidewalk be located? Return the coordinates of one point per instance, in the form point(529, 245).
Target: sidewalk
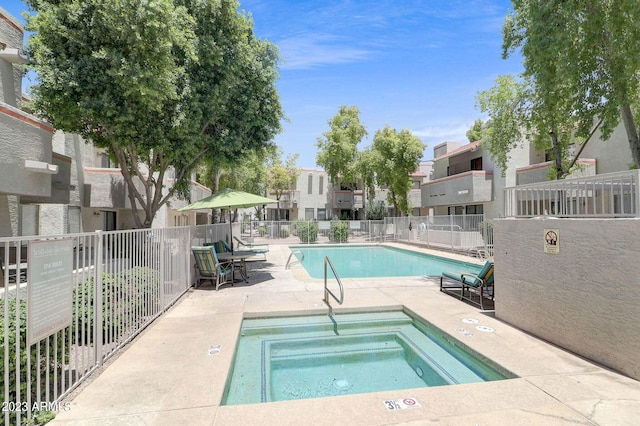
point(167, 376)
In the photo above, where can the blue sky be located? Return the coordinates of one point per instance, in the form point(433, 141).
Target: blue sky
point(409, 64)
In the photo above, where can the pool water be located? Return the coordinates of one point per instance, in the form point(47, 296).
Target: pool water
point(287, 358)
point(376, 261)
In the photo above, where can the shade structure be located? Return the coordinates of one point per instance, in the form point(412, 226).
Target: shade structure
point(229, 199)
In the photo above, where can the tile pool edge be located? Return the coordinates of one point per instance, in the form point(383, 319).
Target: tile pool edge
point(427, 327)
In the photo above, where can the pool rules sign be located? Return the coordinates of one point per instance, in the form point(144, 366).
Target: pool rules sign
point(552, 241)
point(49, 292)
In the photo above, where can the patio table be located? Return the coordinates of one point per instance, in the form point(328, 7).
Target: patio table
point(238, 259)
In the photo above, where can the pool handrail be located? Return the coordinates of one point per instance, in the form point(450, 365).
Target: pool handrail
point(328, 292)
point(289, 265)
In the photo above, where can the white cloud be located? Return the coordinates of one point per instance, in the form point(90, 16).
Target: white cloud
point(314, 50)
point(433, 135)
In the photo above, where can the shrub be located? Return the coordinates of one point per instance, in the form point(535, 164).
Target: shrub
point(339, 231)
point(128, 298)
point(51, 362)
point(376, 210)
point(307, 231)
point(284, 233)
point(262, 231)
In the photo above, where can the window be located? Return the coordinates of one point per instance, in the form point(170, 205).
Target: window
point(456, 210)
point(416, 184)
point(475, 209)
point(321, 179)
point(476, 163)
point(308, 213)
point(322, 214)
point(310, 185)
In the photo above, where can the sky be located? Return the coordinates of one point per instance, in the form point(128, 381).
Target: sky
point(408, 64)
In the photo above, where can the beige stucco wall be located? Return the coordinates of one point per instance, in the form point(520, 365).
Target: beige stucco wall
point(586, 298)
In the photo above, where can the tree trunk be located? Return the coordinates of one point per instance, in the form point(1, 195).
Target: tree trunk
point(632, 133)
point(556, 153)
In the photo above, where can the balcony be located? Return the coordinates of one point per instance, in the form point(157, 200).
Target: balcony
point(26, 157)
point(540, 172)
point(343, 200)
point(471, 187)
point(288, 200)
point(605, 195)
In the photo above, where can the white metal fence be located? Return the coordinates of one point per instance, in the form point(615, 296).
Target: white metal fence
point(604, 195)
point(122, 280)
point(462, 233)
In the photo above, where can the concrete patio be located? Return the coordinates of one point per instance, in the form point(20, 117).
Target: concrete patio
point(166, 375)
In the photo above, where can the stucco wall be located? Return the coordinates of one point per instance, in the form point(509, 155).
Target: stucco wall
point(586, 298)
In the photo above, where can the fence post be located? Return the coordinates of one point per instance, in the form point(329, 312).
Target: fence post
point(97, 309)
point(162, 268)
point(451, 229)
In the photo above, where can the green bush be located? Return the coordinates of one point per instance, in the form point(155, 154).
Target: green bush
point(339, 231)
point(284, 233)
point(262, 231)
point(53, 361)
point(307, 231)
point(128, 297)
point(376, 210)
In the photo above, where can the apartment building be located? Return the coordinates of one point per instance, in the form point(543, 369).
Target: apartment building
point(466, 181)
point(313, 197)
point(53, 182)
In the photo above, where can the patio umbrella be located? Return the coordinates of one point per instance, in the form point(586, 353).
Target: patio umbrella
point(228, 199)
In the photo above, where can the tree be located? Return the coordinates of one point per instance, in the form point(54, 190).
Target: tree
point(338, 148)
point(281, 177)
point(583, 60)
point(160, 85)
point(476, 132)
point(398, 156)
point(504, 105)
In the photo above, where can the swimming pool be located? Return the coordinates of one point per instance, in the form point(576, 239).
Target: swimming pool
point(287, 358)
point(367, 261)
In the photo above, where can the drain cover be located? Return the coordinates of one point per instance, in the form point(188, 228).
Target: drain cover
point(485, 328)
point(341, 384)
point(470, 321)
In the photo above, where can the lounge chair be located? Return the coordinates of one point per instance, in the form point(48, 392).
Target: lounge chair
point(258, 248)
point(467, 283)
point(209, 268)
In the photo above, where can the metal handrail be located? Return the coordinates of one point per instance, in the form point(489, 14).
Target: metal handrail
point(328, 292)
point(288, 265)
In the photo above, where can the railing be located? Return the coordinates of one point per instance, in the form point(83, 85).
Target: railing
point(606, 195)
point(461, 233)
point(298, 260)
point(88, 295)
point(328, 292)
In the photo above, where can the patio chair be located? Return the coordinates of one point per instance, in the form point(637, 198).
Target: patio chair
point(209, 268)
point(220, 246)
point(257, 248)
point(466, 283)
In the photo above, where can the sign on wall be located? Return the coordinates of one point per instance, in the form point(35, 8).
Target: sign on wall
point(50, 291)
point(552, 241)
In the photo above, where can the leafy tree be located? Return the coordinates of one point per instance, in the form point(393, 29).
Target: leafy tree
point(504, 103)
point(338, 148)
point(398, 155)
point(281, 177)
point(365, 168)
point(161, 85)
point(582, 59)
point(475, 133)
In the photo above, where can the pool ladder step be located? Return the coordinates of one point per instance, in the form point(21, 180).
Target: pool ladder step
point(325, 325)
point(336, 347)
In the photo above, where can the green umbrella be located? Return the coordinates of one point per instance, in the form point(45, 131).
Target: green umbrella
point(228, 199)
